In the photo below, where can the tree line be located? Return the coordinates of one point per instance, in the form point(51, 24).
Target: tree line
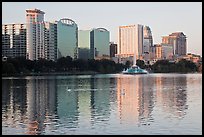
point(21, 65)
point(65, 64)
point(166, 66)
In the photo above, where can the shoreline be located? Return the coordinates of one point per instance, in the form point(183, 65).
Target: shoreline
point(76, 73)
point(51, 74)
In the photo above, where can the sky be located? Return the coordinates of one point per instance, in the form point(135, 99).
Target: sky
point(163, 18)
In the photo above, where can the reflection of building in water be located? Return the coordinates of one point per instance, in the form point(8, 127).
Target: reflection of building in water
point(158, 88)
point(41, 98)
point(146, 100)
point(83, 86)
point(13, 101)
point(67, 102)
point(173, 95)
point(135, 100)
point(128, 102)
point(100, 99)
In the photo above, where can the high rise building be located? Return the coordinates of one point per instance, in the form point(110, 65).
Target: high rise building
point(99, 47)
point(67, 38)
point(130, 41)
point(84, 44)
point(178, 41)
point(147, 42)
point(113, 49)
point(50, 41)
point(35, 34)
point(14, 40)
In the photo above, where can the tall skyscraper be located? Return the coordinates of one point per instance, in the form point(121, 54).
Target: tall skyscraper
point(178, 42)
point(130, 41)
point(67, 38)
point(14, 40)
point(84, 44)
point(35, 34)
point(148, 40)
point(99, 47)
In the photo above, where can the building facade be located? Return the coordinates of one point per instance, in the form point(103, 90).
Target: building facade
point(113, 49)
point(35, 34)
point(99, 43)
point(67, 38)
point(156, 52)
point(147, 42)
point(50, 41)
point(84, 44)
point(178, 41)
point(130, 41)
point(14, 40)
point(167, 51)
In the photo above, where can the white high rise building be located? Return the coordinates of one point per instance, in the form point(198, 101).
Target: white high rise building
point(35, 34)
point(130, 41)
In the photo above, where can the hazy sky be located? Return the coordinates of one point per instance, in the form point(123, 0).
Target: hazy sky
point(162, 17)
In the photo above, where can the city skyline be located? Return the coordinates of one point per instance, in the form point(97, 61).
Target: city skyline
point(160, 17)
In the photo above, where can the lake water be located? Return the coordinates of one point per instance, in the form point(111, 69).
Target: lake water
point(153, 104)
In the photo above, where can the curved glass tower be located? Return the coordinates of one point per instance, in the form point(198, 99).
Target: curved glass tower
point(67, 38)
point(148, 40)
point(99, 40)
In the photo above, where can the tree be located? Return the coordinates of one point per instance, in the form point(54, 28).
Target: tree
point(127, 64)
point(140, 63)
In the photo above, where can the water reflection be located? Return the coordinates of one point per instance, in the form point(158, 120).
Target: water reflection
point(41, 101)
point(135, 101)
point(172, 94)
point(61, 105)
point(100, 100)
point(13, 102)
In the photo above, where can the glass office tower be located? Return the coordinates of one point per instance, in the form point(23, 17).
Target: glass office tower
point(67, 38)
point(99, 47)
point(84, 44)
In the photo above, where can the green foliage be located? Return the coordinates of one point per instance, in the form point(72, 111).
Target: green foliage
point(67, 64)
point(64, 64)
point(140, 63)
point(183, 66)
point(127, 64)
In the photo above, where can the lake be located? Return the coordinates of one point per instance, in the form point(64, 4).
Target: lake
point(112, 104)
